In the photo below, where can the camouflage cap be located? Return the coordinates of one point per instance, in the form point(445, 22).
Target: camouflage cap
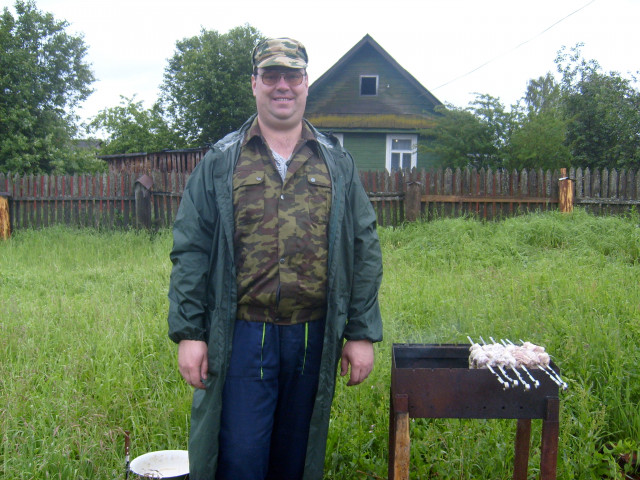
point(280, 52)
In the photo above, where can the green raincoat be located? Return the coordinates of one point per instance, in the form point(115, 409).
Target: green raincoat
point(202, 290)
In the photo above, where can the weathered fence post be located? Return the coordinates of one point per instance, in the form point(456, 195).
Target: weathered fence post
point(412, 201)
point(5, 221)
point(565, 192)
point(142, 193)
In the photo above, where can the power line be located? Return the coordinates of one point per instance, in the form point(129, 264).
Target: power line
point(514, 48)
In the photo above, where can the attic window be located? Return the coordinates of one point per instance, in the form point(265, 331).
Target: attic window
point(368, 85)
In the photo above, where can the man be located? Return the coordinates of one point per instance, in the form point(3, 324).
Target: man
point(276, 262)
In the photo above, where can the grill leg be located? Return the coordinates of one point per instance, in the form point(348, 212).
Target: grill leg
point(550, 431)
point(392, 438)
point(399, 440)
point(523, 441)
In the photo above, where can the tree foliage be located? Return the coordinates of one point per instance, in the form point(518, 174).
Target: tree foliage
point(43, 77)
point(539, 142)
point(602, 111)
point(473, 136)
point(458, 139)
point(206, 89)
point(543, 95)
point(587, 119)
point(537, 139)
point(132, 128)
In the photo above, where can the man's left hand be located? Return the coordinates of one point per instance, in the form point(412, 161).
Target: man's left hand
point(358, 354)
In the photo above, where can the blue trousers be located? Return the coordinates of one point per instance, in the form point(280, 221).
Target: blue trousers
point(268, 399)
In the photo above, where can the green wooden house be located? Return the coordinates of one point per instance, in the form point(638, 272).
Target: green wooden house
point(374, 106)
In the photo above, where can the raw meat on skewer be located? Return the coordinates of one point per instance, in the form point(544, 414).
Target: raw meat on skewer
point(482, 360)
point(494, 356)
point(505, 359)
point(502, 356)
point(544, 362)
point(519, 364)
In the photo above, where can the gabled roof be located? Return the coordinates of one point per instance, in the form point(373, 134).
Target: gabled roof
point(347, 57)
point(400, 102)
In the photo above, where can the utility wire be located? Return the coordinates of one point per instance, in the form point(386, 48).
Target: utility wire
point(514, 48)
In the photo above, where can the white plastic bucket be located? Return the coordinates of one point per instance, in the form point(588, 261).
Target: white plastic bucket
point(165, 464)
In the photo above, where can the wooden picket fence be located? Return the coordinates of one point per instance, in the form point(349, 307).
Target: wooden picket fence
point(129, 199)
point(98, 201)
point(182, 161)
point(486, 194)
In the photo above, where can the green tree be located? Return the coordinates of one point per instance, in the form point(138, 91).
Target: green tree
point(474, 136)
point(587, 119)
point(543, 95)
point(206, 89)
point(539, 130)
point(43, 77)
point(539, 142)
point(459, 139)
point(132, 128)
point(602, 111)
point(499, 122)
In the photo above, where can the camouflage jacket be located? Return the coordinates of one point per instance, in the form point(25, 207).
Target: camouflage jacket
point(280, 237)
point(203, 290)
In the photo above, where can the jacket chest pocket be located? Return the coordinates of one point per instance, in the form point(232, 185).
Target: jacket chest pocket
point(248, 197)
point(319, 187)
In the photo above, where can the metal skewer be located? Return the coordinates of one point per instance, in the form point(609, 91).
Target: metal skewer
point(524, 383)
point(504, 383)
point(552, 374)
point(513, 381)
point(536, 382)
point(522, 380)
point(557, 376)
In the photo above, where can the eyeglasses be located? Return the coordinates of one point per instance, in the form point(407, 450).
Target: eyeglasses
point(293, 79)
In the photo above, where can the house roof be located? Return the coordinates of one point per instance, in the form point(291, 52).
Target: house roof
point(367, 40)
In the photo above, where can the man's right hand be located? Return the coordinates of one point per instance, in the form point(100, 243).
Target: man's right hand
point(193, 361)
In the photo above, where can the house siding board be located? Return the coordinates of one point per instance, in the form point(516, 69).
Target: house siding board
point(367, 149)
point(426, 161)
point(342, 94)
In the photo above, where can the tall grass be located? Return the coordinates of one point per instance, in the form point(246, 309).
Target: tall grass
point(84, 353)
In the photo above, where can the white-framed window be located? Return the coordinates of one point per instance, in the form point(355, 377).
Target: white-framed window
point(368, 85)
point(402, 151)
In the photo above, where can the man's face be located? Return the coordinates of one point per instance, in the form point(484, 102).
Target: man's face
point(280, 105)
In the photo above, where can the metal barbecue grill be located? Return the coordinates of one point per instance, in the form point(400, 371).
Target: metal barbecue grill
point(435, 381)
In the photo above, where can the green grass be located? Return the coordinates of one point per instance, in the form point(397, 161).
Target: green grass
point(84, 353)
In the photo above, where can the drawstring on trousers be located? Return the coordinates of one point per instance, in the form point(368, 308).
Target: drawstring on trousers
point(306, 346)
point(264, 332)
point(306, 343)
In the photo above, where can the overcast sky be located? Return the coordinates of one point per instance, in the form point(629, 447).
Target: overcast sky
point(454, 48)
